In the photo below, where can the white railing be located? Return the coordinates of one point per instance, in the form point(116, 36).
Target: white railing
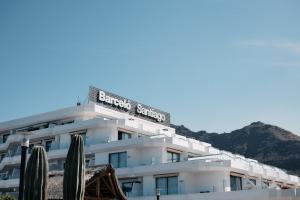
point(293, 178)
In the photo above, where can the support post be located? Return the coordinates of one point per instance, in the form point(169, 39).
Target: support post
point(24, 145)
point(157, 193)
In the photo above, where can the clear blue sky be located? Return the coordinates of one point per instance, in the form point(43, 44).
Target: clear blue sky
point(215, 65)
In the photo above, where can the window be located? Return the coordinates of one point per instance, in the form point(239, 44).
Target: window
point(118, 160)
point(265, 184)
point(235, 183)
point(4, 138)
point(131, 187)
point(167, 185)
point(127, 187)
point(4, 175)
point(15, 173)
point(30, 148)
point(123, 135)
point(253, 181)
point(66, 122)
point(48, 145)
point(90, 162)
point(172, 157)
point(87, 162)
point(2, 156)
point(18, 151)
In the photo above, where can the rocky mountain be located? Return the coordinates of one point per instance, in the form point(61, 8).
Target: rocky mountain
point(266, 143)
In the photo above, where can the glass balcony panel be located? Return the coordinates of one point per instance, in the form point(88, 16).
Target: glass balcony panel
point(172, 185)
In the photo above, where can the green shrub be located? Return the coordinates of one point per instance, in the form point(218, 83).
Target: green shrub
point(7, 197)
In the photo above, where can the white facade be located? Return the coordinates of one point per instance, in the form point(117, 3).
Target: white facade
point(146, 155)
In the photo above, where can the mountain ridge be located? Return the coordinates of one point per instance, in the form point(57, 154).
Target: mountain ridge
point(266, 143)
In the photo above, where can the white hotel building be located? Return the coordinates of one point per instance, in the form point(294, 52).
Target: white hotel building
point(138, 141)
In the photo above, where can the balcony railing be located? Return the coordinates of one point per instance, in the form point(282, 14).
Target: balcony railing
point(55, 167)
point(54, 146)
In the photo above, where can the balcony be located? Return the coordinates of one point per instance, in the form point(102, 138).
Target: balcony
point(161, 168)
point(55, 167)
point(14, 156)
point(293, 179)
point(181, 143)
point(10, 160)
point(252, 167)
point(11, 139)
point(256, 168)
point(269, 172)
point(9, 183)
point(10, 179)
point(58, 129)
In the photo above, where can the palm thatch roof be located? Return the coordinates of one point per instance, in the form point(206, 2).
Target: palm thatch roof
point(101, 183)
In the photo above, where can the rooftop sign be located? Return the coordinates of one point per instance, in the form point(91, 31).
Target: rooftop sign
point(121, 104)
